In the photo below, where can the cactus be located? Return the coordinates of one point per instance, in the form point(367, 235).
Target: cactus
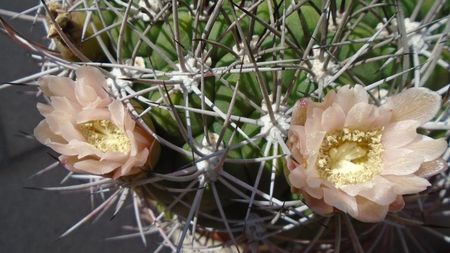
point(218, 80)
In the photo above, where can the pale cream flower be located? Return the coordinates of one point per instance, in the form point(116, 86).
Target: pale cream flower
point(360, 158)
point(93, 133)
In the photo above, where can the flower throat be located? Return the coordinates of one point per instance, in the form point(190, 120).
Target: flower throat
point(350, 156)
point(105, 136)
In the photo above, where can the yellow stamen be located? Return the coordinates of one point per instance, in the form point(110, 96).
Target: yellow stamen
point(350, 156)
point(105, 136)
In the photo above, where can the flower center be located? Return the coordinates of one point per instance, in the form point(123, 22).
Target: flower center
point(105, 136)
point(350, 156)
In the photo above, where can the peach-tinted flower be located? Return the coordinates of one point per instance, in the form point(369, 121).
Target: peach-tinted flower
point(360, 158)
point(93, 132)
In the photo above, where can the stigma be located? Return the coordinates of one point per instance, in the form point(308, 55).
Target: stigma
point(105, 136)
point(350, 156)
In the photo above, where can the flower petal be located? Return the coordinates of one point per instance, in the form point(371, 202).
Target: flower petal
point(340, 200)
point(317, 205)
point(93, 78)
point(397, 205)
point(431, 168)
point(369, 211)
point(297, 178)
point(360, 116)
point(92, 114)
point(399, 134)
point(347, 97)
point(45, 135)
point(142, 138)
point(313, 127)
point(408, 184)
point(86, 95)
point(315, 192)
point(44, 109)
point(366, 116)
point(429, 148)
point(64, 105)
point(63, 127)
point(96, 167)
point(299, 112)
point(297, 142)
point(57, 86)
point(417, 103)
point(379, 191)
point(400, 162)
point(133, 165)
point(83, 149)
point(134, 149)
point(312, 175)
point(333, 118)
point(118, 112)
point(381, 118)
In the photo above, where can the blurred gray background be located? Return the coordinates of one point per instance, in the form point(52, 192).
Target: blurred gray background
point(32, 220)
